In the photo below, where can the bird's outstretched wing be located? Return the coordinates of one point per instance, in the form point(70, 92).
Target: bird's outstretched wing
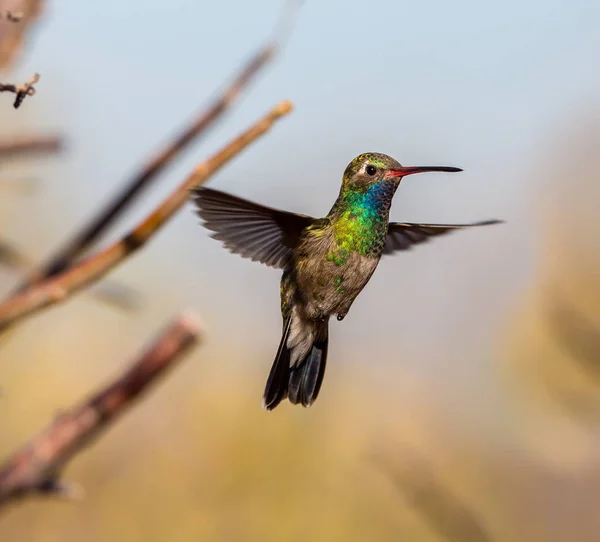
point(402, 235)
point(254, 231)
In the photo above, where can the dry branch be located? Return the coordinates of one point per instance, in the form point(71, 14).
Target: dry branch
point(96, 266)
point(92, 231)
point(21, 91)
point(111, 293)
point(36, 469)
point(31, 145)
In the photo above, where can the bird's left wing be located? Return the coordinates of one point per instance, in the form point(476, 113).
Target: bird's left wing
point(402, 235)
point(254, 231)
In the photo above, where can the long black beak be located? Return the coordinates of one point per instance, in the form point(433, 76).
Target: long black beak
point(409, 170)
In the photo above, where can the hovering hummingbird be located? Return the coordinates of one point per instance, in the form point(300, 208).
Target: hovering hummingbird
point(326, 262)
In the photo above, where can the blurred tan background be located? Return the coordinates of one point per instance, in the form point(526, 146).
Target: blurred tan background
point(461, 400)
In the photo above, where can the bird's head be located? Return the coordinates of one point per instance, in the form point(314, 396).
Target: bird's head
point(372, 168)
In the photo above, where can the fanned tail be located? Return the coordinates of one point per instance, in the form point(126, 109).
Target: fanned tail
point(302, 382)
point(306, 376)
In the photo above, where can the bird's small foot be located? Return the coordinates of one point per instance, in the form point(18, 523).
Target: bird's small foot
point(340, 317)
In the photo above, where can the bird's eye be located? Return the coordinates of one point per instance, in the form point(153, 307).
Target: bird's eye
point(371, 170)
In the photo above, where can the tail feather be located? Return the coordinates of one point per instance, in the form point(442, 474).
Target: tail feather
point(295, 381)
point(314, 381)
point(306, 378)
point(300, 383)
point(277, 383)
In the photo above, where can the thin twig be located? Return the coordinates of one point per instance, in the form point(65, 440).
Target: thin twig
point(93, 268)
point(92, 231)
point(36, 468)
point(21, 91)
point(31, 145)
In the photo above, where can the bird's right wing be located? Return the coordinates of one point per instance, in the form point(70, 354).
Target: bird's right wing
point(251, 230)
point(402, 235)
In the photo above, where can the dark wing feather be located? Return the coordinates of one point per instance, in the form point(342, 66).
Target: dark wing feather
point(254, 231)
point(402, 235)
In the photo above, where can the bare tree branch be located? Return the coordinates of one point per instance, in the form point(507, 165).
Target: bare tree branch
point(36, 469)
point(92, 231)
point(21, 91)
point(31, 145)
point(109, 292)
point(90, 270)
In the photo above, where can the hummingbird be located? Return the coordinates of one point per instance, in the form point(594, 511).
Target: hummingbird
point(326, 262)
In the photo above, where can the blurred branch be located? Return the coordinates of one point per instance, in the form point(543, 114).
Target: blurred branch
point(36, 469)
point(109, 292)
point(149, 172)
point(31, 145)
point(21, 91)
point(96, 266)
point(445, 514)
